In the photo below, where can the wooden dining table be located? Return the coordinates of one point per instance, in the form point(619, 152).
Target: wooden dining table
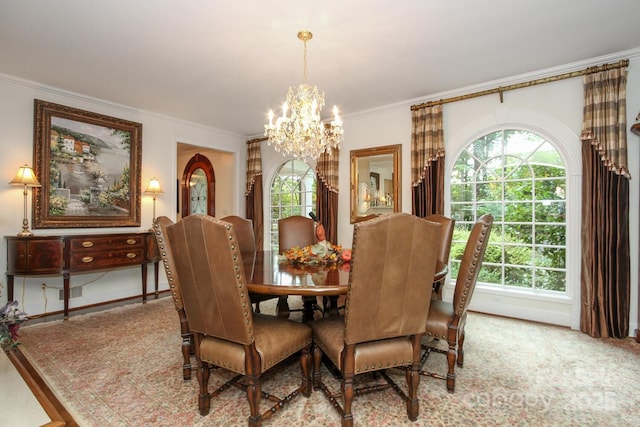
point(267, 274)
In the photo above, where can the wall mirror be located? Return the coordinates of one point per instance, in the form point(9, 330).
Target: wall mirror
point(375, 181)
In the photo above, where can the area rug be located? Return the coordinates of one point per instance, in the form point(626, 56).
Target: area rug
point(123, 367)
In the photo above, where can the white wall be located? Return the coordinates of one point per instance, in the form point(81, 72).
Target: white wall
point(160, 136)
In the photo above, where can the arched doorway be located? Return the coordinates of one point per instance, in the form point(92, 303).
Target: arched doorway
point(198, 187)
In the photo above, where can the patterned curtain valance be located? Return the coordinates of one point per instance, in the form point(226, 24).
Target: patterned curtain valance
point(427, 140)
point(254, 163)
point(605, 111)
point(327, 169)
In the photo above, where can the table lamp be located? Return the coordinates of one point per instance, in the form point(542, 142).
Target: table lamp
point(154, 189)
point(27, 178)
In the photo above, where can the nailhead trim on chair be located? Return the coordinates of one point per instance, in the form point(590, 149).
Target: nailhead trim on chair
point(165, 263)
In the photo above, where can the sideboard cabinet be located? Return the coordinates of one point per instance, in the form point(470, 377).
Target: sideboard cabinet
point(66, 254)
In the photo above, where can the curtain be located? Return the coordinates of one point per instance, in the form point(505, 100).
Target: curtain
point(605, 275)
point(327, 193)
point(253, 193)
point(427, 161)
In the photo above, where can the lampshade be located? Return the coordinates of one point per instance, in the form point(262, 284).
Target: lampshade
point(26, 177)
point(153, 187)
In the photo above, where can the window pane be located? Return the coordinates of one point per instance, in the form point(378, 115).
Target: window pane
point(518, 212)
point(518, 233)
point(551, 280)
point(293, 192)
point(551, 234)
point(518, 177)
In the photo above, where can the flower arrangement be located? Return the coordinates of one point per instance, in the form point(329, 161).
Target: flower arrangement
point(320, 253)
point(10, 320)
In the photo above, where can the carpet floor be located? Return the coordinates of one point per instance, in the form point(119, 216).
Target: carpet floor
point(123, 367)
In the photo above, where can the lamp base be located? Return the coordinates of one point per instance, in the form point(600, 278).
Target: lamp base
point(25, 233)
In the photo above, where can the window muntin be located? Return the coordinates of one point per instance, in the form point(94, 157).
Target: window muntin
point(518, 177)
point(293, 192)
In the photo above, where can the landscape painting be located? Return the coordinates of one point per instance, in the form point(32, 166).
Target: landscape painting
point(89, 168)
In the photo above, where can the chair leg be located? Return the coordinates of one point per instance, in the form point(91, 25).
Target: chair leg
point(317, 360)
point(413, 381)
point(305, 365)
point(347, 399)
point(253, 396)
point(451, 361)
point(204, 398)
point(460, 359)
point(186, 355)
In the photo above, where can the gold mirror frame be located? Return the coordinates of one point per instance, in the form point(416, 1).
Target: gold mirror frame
point(375, 181)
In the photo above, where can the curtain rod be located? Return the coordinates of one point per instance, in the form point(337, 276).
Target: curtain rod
point(264, 138)
point(501, 89)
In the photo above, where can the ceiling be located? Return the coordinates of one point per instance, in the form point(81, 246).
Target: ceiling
point(225, 63)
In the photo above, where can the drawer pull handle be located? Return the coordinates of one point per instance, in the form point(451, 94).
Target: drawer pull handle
point(131, 241)
point(87, 244)
point(131, 255)
point(87, 259)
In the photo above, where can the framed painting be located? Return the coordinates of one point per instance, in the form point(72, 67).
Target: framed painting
point(89, 167)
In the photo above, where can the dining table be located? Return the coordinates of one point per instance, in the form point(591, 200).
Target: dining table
point(268, 273)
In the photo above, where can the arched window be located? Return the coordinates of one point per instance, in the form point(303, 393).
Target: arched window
point(293, 192)
point(520, 178)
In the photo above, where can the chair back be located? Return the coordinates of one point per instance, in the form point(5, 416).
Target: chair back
point(472, 258)
point(244, 232)
point(393, 255)
point(209, 264)
point(160, 233)
point(448, 225)
point(295, 230)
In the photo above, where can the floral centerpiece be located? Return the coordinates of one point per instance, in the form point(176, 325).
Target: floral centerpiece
point(320, 253)
point(10, 320)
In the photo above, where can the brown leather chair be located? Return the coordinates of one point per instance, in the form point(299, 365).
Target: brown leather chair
point(448, 225)
point(293, 231)
point(447, 320)
point(227, 333)
point(247, 243)
point(386, 304)
point(160, 232)
point(244, 231)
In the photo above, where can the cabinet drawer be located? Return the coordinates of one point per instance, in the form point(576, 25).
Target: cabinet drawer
point(108, 243)
point(92, 260)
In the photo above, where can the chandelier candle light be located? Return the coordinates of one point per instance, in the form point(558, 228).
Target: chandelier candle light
point(302, 134)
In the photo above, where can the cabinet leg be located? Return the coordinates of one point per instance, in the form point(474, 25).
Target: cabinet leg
point(66, 293)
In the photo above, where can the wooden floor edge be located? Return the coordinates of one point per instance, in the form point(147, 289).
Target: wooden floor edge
point(47, 399)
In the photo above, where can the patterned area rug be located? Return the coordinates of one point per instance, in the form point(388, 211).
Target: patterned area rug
point(123, 367)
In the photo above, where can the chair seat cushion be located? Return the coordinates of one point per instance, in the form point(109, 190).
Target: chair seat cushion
point(440, 315)
point(275, 340)
point(369, 356)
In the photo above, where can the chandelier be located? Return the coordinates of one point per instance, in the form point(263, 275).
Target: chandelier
point(302, 133)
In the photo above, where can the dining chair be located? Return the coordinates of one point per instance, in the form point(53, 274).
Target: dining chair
point(448, 225)
point(244, 231)
point(187, 346)
point(446, 320)
point(295, 230)
point(227, 333)
point(247, 243)
point(385, 313)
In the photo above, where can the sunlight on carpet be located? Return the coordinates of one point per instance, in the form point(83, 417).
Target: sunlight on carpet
point(123, 367)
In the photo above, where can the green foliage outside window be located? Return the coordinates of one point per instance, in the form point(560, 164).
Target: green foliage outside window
point(519, 178)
